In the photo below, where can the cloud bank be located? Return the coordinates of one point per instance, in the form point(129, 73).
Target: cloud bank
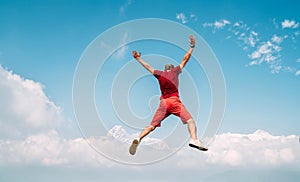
point(259, 149)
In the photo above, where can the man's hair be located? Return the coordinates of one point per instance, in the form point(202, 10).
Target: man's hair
point(169, 67)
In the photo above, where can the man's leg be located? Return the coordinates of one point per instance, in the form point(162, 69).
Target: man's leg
point(146, 131)
point(179, 110)
point(192, 129)
point(135, 142)
point(194, 142)
point(187, 118)
point(160, 114)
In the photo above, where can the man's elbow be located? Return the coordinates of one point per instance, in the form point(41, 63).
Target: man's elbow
point(151, 70)
point(187, 57)
point(182, 64)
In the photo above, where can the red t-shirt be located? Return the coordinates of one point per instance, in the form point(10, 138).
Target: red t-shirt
point(168, 82)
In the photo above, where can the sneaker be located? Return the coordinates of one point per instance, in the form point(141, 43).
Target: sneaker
point(134, 146)
point(197, 144)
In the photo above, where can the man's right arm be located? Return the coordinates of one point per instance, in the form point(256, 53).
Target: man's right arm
point(142, 62)
point(188, 53)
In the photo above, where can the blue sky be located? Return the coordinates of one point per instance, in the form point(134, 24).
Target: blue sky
point(44, 42)
point(256, 43)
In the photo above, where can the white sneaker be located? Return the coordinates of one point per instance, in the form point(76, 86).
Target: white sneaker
point(197, 144)
point(133, 147)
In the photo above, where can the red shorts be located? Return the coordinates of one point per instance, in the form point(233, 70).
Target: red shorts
point(171, 105)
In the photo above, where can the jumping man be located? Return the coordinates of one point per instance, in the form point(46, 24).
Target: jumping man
point(170, 102)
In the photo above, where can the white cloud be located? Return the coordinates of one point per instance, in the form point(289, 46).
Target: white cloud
point(251, 41)
point(245, 36)
point(275, 23)
point(217, 24)
point(255, 55)
point(297, 73)
point(236, 24)
point(269, 52)
point(47, 149)
point(125, 5)
point(181, 17)
point(24, 107)
point(289, 24)
point(50, 149)
point(193, 17)
point(254, 33)
point(277, 39)
point(259, 51)
point(253, 63)
point(265, 48)
point(124, 48)
point(221, 23)
point(263, 53)
point(259, 149)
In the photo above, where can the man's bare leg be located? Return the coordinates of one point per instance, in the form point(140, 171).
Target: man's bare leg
point(135, 142)
point(195, 143)
point(192, 129)
point(146, 131)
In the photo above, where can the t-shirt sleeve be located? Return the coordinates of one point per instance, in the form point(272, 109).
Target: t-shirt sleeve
point(157, 73)
point(177, 70)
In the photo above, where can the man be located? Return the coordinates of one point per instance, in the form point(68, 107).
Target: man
point(169, 101)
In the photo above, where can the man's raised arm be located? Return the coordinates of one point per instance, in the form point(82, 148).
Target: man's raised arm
point(137, 56)
point(188, 53)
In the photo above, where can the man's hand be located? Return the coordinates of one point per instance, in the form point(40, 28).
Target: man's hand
point(135, 54)
point(192, 41)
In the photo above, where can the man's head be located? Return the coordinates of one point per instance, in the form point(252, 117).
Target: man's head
point(168, 67)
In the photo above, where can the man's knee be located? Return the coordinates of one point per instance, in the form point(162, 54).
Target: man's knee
point(190, 121)
point(151, 128)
